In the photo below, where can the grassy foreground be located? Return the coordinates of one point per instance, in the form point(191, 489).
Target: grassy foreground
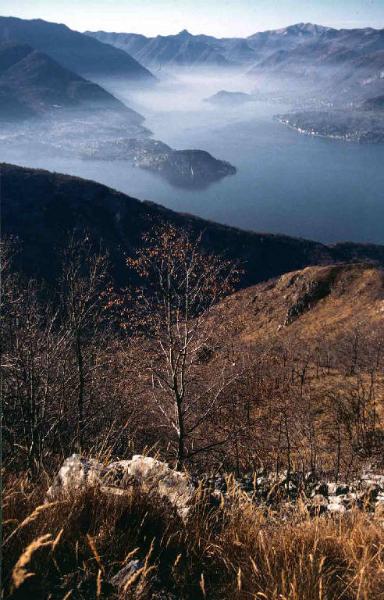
point(71, 549)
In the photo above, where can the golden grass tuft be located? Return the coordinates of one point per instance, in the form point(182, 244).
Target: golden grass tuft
point(20, 571)
point(232, 551)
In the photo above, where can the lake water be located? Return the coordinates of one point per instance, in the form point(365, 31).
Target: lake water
point(286, 182)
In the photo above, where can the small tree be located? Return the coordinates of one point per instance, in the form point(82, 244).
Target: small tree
point(33, 345)
point(174, 312)
point(83, 289)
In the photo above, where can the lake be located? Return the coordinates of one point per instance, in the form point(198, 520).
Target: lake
point(286, 182)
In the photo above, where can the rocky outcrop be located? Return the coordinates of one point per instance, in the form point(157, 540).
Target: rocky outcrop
point(178, 488)
point(153, 476)
point(318, 495)
point(75, 474)
point(308, 295)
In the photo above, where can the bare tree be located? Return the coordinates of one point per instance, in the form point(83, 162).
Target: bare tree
point(33, 352)
point(83, 295)
point(174, 312)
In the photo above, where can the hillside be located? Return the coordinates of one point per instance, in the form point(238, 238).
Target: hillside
point(41, 208)
point(312, 304)
point(73, 50)
point(32, 84)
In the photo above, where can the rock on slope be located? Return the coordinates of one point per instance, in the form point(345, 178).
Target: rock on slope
point(310, 304)
point(156, 478)
point(152, 475)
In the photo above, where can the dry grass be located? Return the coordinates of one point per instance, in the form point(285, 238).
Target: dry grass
point(236, 550)
point(356, 296)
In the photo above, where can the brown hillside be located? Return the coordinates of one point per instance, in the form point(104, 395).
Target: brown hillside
point(315, 302)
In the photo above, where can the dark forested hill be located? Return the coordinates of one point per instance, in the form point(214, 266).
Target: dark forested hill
point(32, 84)
point(73, 50)
point(42, 208)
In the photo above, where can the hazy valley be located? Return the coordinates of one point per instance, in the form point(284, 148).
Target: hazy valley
point(171, 114)
point(192, 279)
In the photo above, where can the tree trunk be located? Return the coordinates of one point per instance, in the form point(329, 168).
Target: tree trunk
point(181, 437)
point(80, 397)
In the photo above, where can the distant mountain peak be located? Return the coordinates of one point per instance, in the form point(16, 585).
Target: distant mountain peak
point(184, 33)
point(311, 28)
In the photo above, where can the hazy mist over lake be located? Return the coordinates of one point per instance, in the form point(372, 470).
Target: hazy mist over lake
point(286, 182)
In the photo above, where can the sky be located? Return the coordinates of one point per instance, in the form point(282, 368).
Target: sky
point(215, 17)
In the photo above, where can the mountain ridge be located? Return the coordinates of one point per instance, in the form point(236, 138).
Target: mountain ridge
point(350, 61)
point(39, 85)
point(73, 50)
point(61, 203)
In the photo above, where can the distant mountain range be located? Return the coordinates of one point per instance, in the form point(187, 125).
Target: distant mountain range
point(42, 208)
point(187, 49)
point(353, 59)
point(73, 50)
point(347, 63)
point(34, 85)
point(182, 49)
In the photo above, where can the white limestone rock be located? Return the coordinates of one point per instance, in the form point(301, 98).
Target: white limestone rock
point(153, 476)
point(75, 473)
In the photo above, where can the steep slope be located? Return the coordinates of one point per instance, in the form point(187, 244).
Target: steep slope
point(32, 84)
point(75, 51)
point(41, 208)
point(310, 304)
